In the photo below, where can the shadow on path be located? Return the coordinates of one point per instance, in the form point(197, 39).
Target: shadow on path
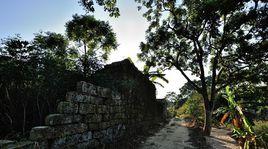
point(220, 139)
point(174, 136)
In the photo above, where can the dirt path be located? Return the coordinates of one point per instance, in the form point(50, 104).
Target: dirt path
point(220, 140)
point(174, 136)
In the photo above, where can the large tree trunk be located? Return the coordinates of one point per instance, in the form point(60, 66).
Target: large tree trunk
point(207, 123)
point(208, 117)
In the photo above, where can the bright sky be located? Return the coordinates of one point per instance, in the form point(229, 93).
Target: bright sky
point(26, 17)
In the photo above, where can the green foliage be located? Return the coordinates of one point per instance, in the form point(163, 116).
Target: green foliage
point(246, 132)
point(108, 5)
point(97, 39)
point(95, 34)
point(261, 128)
point(234, 106)
point(172, 112)
point(171, 97)
point(253, 98)
point(193, 107)
point(184, 34)
point(35, 75)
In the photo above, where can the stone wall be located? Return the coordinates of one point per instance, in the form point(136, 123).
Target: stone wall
point(92, 115)
point(88, 118)
point(134, 86)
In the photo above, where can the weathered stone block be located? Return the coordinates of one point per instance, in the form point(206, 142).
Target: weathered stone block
point(103, 109)
point(118, 109)
point(123, 116)
point(122, 109)
point(65, 142)
point(104, 125)
point(106, 117)
point(97, 100)
point(17, 145)
point(71, 129)
point(91, 144)
point(119, 130)
point(84, 98)
point(119, 115)
point(98, 134)
point(85, 108)
point(94, 143)
point(70, 96)
point(47, 132)
point(6, 143)
point(41, 133)
point(42, 144)
point(88, 88)
point(93, 118)
point(116, 96)
point(113, 122)
point(109, 102)
point(118, 102)
point(67, 107)
point(93, 126)
point(108, 136)
point(104, 92)
point(112, 109)
point(59, 119)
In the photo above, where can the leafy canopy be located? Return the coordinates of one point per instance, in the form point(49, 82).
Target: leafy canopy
point(94, 34)
point(228, 37)
point(97, 38)
point(108, 5)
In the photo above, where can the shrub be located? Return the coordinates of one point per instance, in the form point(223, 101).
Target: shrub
point(193, 107)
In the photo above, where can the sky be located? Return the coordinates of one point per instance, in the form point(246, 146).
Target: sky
point(26, 17)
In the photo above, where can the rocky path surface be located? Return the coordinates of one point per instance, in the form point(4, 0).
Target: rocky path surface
point(175, 136)
point(172, 136)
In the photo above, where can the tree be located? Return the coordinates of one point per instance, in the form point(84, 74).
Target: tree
point(56, 47)
point(41, 71)
point(14, 70)
point(228, 37)
point(97, 37)
point(108, 5)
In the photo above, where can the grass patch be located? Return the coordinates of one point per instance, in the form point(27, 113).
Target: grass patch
point(261, 129)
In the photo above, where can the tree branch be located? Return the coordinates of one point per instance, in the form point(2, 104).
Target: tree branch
point(176, 64)
point(199, 53)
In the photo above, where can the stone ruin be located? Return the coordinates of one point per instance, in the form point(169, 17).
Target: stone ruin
point(121, 101)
